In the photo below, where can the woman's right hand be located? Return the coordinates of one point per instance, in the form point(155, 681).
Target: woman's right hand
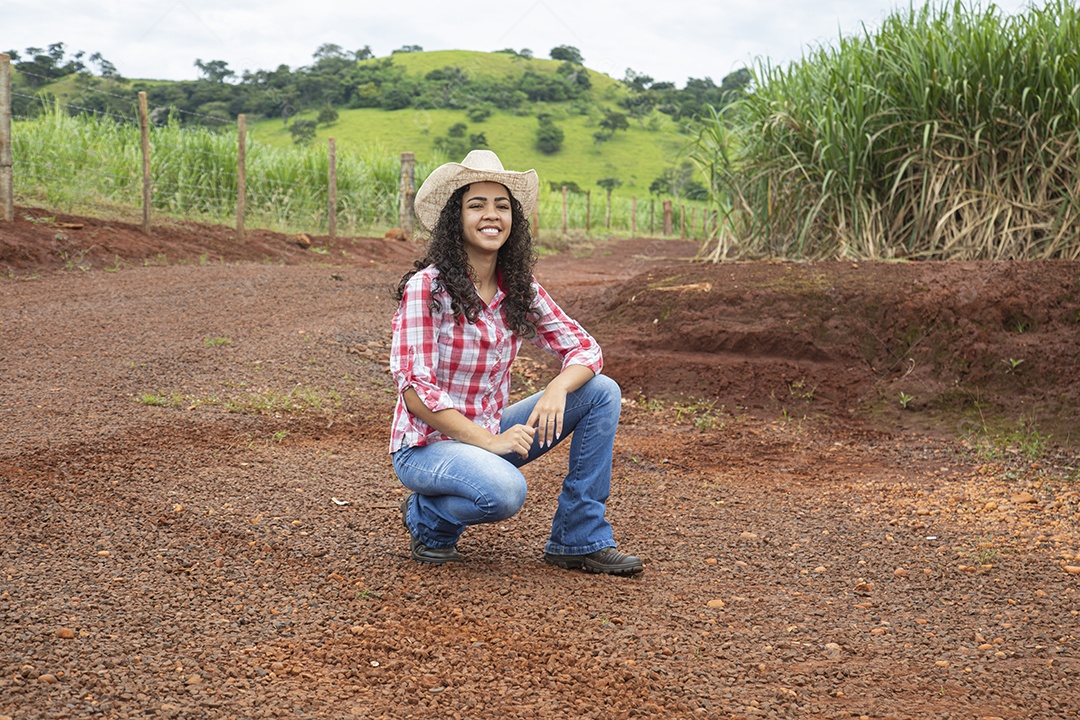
point(515, 439)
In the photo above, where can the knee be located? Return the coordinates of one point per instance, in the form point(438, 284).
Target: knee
point(507, 497)
point(607, 390)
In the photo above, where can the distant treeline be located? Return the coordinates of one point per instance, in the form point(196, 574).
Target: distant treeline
point(340, 78)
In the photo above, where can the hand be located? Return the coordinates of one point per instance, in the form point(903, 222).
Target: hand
point(547, 415)
point(515, 439)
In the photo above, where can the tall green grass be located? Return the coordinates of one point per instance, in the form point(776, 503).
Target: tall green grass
point(94, 166)
point(82, 164)
point(949, 133)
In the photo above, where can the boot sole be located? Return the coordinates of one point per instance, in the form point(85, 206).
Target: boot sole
point(581, 564)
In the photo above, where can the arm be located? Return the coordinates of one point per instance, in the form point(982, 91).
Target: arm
point(517, 439)
point(547, 416)
point(560, 334)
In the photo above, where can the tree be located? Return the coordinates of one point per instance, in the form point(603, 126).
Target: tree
point(105, 68)
point(636, 81)
point(679, 182)
point(612, 121)
point(329, 50)
point(302, 131)
point(363, 53)
point(408, 49)
point(549, 137)
point(45, 66)
point(567, 53)
point(327, 115)
point(478, 113)
point(216, 71)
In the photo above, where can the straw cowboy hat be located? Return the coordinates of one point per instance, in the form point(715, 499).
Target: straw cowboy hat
point(478, 166)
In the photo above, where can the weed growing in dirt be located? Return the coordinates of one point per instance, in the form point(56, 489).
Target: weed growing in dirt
point(982, 552)
point(702, 413)
point(1011, 364)
point(217, 342)
point(280, 435)
point(905, 399)
point(1024, 440)
point(156, 400)
point(73, 261)
point(297, 400)
point(798, 389)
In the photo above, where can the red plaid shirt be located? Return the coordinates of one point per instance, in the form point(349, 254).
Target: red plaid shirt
point(453, 363)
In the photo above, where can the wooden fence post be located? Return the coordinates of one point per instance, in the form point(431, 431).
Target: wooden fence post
point(682, 221)
point(667, 217)
point(564, 211)
point(7, 180)
point(406, 218)
point(144, 139)
point(241, 175)
point(588, 210)
point(693, 220)
point(331, 189)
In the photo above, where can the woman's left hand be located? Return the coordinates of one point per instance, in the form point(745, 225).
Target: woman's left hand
point(547, 415)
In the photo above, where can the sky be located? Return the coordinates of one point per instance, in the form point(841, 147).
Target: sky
point(669, 40)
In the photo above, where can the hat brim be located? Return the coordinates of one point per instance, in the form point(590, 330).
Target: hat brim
point(446, 179)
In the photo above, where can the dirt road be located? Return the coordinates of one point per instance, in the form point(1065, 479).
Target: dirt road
point(855, 486)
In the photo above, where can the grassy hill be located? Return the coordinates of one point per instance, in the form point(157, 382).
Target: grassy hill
point(635, 156)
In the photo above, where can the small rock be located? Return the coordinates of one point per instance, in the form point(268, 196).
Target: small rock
point(717, 603)
point(48, 678)
point(65, 633)
point(832, 649)
point(192, 680)
point(1024, 498)
point(942, 664)
point(711, 561)
point(820, 569)
point(1072, 569)
point(104, 553)
point(748, 536)
point(900, 572)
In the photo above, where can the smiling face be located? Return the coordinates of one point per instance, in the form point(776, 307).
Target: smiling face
point(485, 218)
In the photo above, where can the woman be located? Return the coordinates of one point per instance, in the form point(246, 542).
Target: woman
point(463, 311)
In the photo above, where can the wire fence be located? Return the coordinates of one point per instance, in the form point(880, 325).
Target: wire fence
point(82, 159)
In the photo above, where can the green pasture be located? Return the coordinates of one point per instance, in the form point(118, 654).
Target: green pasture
point(635, 156)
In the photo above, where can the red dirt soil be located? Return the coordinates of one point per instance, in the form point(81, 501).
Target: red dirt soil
point(855, 487)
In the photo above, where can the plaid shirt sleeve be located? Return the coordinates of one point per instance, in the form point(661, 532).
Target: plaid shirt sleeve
point(560, 334)
point(414, 352)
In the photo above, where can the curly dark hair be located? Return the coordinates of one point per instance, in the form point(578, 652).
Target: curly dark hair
point(516, 260)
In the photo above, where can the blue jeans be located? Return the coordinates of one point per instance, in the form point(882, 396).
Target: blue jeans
point(458, 485)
